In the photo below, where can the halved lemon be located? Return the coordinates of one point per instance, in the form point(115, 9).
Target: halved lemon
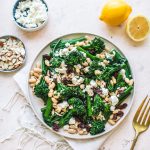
point(138, 28)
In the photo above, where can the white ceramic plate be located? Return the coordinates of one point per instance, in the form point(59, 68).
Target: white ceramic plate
point(37, 103)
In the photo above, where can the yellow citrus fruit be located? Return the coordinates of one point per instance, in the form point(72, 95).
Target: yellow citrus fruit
point(115, 12)
point(138, 28)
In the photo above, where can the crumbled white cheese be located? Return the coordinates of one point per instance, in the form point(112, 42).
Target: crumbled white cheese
point(93, 83)
point(76, 80)
point(67, 44)
point(122, 71)
point(64, 104)
point(86, 69)
point(31, 14)
point(72, 121)
point(73, 49)
point(114, 100)
point(84, 54)
point(112, 108)
point(63, 52)
point(102, 64)
point(61, 70)
point(104, 91)
point(89, 90)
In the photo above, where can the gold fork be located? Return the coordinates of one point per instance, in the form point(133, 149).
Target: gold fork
point(141, 120)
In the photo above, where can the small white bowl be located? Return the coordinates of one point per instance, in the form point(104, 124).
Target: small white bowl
point(29, 29)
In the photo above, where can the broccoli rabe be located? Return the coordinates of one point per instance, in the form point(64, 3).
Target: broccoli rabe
point(94, 66)
point(125, 94)
point(74, 58)
point(55, 62)
point(89, 106)
point(78, 106)
point(63, 42)
point(98, 105)
point(66, 117)
point(48, 108)
point(77, 110)
point(97, 127)
point(88, 54)
point(41, 90)
point(109, 70)
point(67, 92)
point(96, 46)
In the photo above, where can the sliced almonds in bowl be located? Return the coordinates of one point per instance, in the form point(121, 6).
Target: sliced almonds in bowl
point(12, 53)
point(138, 28)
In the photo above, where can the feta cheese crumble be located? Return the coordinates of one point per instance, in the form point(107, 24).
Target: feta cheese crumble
point(31, 14)
point(76, 80)
point(104, 91)
point(114, 100)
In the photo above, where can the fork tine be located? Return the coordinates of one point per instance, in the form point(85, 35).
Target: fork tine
point(143, 111)
point(139, 109)
point(146, 117)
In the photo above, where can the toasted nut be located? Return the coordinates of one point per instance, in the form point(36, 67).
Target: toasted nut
point(106, 62)
point(98, 82)
point(77, 70)
point(111, 122)
point(52, 91)
point(72, 131)
point(50, 94)
point(85, 64)
point(52, 85)
point(56, 96)
point(47, 80)
point(14, 60)
point(81, 132)
point(54, 100)
point(131, 82)
point(111, 82)
point(97, 72)
point(114, 79)
point(127, 80)
point(32, 80)
point(58, 109)
point(116, 111)
point(38, 70)
point(82, 86)
point(111, 117)
point(102, 56)
point(107, 99)
point(32, 85)
point(85, 132)
point(72, 127)
point(36, 74)
point(31, 73)
point(9, 54)
point(20, 58)
point(47, 63)
point(88, 60)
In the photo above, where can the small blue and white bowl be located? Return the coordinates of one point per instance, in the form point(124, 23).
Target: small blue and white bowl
point(22, 10)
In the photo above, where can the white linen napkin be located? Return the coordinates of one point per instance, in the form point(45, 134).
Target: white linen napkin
point(95, 144)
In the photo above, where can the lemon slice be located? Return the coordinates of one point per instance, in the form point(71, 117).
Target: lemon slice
point(138, 28)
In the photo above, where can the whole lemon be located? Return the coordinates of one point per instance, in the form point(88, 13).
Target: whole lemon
point(115, 12)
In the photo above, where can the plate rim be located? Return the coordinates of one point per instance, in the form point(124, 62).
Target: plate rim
point(71, 135)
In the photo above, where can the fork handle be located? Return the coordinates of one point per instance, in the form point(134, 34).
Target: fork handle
point(134, 141)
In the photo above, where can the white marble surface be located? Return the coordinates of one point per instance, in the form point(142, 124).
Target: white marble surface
point(67, 16)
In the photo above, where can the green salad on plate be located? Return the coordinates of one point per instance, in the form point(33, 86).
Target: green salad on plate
point(83, 84)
